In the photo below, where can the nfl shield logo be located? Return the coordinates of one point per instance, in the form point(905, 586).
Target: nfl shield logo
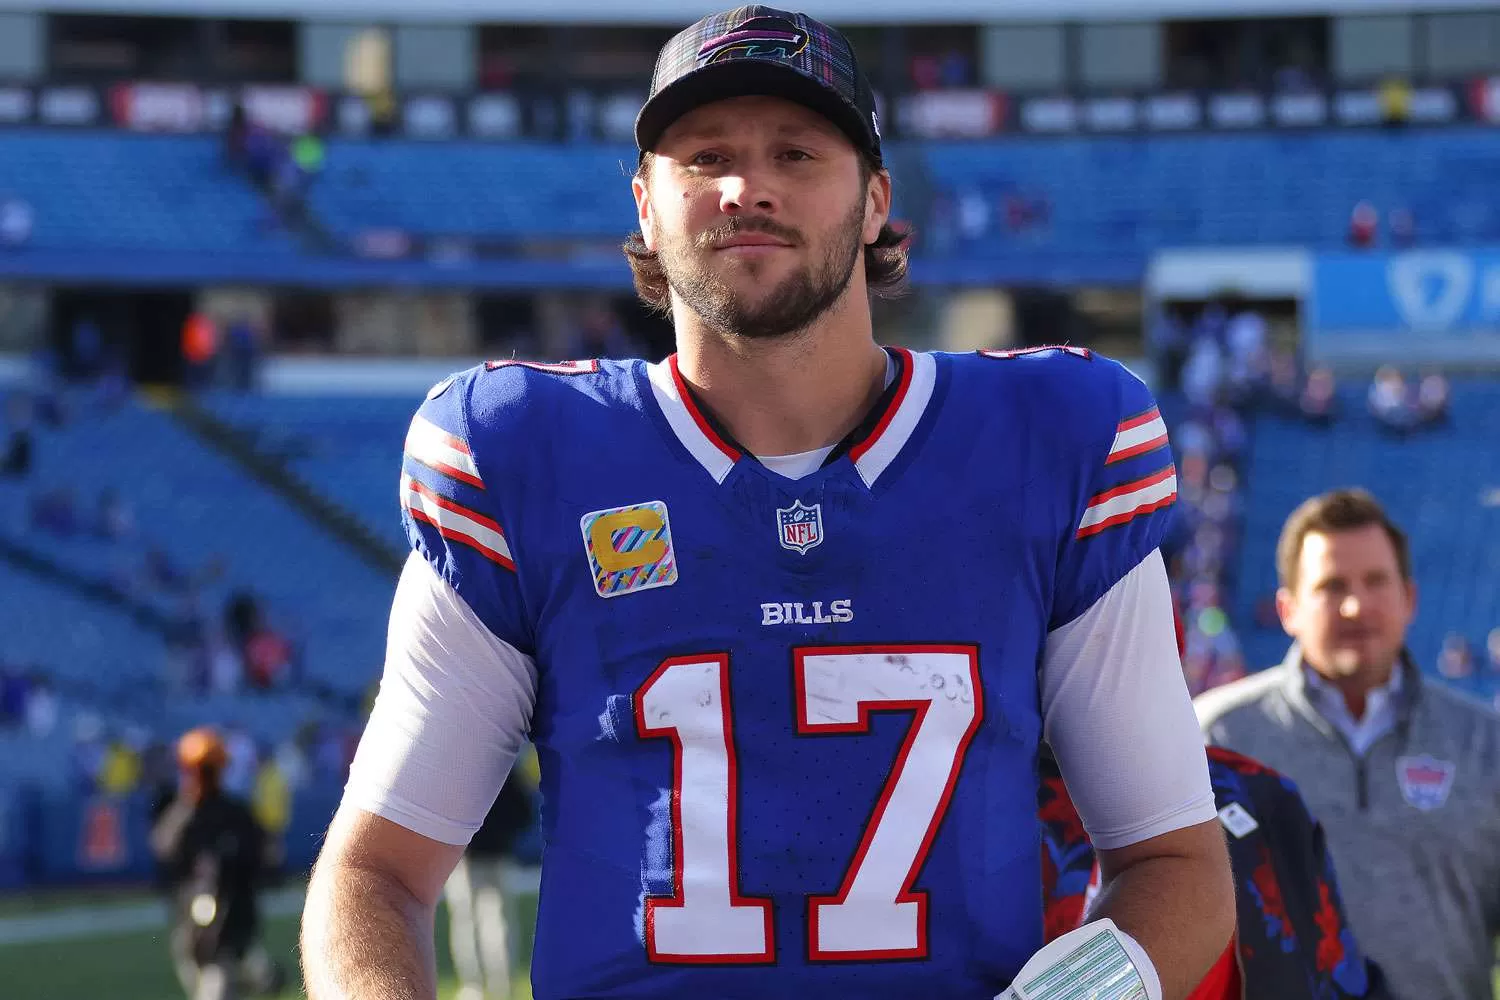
point(1425, 781)
point(798, 527)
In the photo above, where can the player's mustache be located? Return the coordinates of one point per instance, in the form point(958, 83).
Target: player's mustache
point(739, 224)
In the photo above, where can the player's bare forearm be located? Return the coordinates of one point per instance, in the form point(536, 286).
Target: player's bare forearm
point(366, 937)
point(1175, 895)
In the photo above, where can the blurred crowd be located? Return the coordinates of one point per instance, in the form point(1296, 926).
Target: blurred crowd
point(1219, 362)
point(1215, 366)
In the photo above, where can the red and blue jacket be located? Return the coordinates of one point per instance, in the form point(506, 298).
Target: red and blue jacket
point(1292, 941)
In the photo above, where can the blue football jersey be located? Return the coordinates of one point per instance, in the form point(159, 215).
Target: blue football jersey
point(787, 728)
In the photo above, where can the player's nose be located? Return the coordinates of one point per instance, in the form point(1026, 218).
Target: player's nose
point(745, 190)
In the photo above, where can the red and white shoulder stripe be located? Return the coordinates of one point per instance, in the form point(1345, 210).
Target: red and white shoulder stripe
point(430, 445)
point(456, 522)
point(1137, 435)
point(1128, 501)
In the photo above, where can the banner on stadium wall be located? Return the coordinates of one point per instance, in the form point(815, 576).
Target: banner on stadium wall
point(1440, 306)
point(1238, 111)
point(187, 107)
point(972, 113)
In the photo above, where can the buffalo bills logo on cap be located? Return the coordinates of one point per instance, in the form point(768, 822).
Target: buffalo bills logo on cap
point(757, 38)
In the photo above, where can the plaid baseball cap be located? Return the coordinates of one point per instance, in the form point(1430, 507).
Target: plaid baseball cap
point(758, 50)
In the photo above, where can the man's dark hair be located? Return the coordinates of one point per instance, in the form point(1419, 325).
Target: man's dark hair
point(1329, 513)
point(885, 259)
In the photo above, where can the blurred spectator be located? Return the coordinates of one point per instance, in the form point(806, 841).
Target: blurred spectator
point(1432, 399)
point(243, 762)
point(1390, 403)
point(267, 658)
point(226, 664)
point(1364, 225)
point(158, 775)
point(241, 616)
point(1281, 381)
point(1403, 228)
point(291, 757)
point(241, 353)
point(211, 857)
point(200, 349)
point(41, 706)
point(1248, 363)
point(1395, 102)
point(16, 221)
point(13, 685)
point(120, 769)
point(86, 349)
point(15, 461)
point(1492, 647)
point(1318, 402)
point(237, 137)
point(88, 751)
point(271, 803)
point(1168, 339)
point(1203, 374)
point(1456, 661)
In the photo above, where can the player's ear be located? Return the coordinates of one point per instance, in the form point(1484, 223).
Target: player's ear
point(644, 214)
point(1286, 610)
point(877, 204)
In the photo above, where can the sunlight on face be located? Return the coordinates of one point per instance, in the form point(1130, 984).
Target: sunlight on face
point(1351, 607)
point(759, 211)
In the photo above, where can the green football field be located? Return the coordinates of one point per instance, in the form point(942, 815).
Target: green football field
point(132, 964)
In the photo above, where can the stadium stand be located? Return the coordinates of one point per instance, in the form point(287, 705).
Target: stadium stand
point(100, 190)
point(211, 523)
point(108, 190)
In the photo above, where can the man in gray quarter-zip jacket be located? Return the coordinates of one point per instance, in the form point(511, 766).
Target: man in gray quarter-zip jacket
point(1403, 773)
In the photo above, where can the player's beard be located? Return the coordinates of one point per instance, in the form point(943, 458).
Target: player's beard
point(790, 307)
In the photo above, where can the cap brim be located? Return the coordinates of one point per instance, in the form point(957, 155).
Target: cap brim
point(746, 78)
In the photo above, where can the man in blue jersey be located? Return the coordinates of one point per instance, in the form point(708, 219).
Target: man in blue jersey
point(787, 615)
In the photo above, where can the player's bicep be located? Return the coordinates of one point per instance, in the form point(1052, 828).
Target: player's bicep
point(1116, 713)
point(453, 710)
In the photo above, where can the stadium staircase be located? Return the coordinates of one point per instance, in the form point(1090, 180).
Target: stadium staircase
point(26, 560)
point(277, 474)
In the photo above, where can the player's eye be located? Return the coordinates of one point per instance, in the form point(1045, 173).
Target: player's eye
point(706, 159)
point(797, 155)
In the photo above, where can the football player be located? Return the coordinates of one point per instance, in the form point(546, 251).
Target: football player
point(787, 614)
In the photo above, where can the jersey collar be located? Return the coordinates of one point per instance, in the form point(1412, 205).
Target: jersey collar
point(872, 446)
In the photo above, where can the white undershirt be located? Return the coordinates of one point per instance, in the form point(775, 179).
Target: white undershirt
point(455, 707)
point(804, 463)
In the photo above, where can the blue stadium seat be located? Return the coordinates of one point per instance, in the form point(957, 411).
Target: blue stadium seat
point(116, 191)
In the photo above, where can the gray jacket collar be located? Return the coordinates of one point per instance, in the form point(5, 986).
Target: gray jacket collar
point(1293, 685)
